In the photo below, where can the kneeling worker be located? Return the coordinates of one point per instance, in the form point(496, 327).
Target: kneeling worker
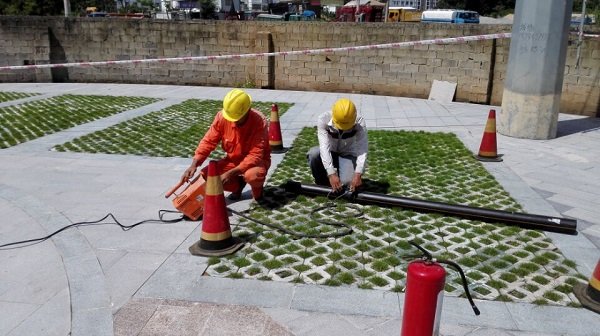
point(340, 158)
point(244, 136)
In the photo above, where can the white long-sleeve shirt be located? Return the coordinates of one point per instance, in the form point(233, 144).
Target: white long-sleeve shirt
point(343, 143)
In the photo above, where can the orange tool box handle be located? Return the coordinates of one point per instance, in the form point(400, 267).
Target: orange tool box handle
point(174, 189)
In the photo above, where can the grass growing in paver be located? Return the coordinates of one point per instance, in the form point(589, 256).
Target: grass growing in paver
point(8, 96)
point(28, 121)
point(504, 263)
point(173, 131)
point(501, 262)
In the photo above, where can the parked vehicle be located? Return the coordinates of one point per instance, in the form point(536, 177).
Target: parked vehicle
point(270, 17)
point(576, 19)
point(98, 14)
point(450, 16)
point(403, 14)
point(307, 15)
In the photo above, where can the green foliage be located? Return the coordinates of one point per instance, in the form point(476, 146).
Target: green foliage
point(590, 5)
point(208, 9)
point(32, 7)
point(53, 7)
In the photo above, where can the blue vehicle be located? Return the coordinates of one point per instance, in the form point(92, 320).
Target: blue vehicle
point(450, 16)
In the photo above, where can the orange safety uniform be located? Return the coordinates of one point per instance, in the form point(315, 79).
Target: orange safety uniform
point(247, 147)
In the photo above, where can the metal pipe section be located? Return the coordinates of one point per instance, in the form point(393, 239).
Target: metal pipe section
point(527, 221)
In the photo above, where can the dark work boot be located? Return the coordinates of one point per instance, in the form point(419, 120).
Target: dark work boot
point(236, 195)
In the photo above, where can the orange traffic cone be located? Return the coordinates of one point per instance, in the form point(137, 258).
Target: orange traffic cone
point(589, 295)
point(216, 239)
point(487, 150)
point(275, 140)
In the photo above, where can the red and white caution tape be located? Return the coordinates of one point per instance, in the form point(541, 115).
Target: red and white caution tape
point(260, 55)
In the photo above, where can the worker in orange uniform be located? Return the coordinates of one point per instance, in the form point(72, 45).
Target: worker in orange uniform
point(340, 158)
point(244, 136)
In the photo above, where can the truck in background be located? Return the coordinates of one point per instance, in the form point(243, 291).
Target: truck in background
point(450, 16)
point(403, 14)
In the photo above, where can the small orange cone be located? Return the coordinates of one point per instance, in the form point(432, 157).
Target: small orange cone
point(589, 295)
point(216, 239)
point(487, 150)
point(275, 140)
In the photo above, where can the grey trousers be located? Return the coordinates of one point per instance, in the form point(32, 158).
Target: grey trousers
point(345, 165)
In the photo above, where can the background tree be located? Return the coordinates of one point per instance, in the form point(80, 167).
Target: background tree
point(31, 7)
point(52, 7)
point(208, 9)
point(589, 4)
point(148, 4)
point(79, 6)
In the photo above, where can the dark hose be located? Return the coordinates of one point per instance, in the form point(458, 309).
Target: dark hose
point(528, 221)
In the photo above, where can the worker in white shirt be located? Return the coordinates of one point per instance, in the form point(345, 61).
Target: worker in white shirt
point(339, 160)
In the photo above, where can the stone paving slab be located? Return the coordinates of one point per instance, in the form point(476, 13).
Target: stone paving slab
point(172, 317)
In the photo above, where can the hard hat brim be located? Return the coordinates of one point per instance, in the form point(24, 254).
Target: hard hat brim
point(228, 116)
point(343, 126)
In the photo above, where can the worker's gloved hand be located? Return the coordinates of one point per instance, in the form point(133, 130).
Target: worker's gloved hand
point(336, 184)
point(188, 173)
point(356, 182)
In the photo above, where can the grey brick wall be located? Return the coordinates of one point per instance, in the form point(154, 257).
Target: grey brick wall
point(477, 67)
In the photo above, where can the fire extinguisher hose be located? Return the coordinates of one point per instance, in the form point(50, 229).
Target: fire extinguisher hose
point(428, 257)
point(464, 282)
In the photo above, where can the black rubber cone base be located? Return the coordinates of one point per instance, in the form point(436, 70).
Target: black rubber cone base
point(278, 150)
point(580, 291)
point(198, 250)
point(489, 159)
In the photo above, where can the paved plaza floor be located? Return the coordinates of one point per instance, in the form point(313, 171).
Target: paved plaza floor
point(100, 280)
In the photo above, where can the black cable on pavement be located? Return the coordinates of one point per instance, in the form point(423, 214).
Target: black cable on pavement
point(161, 213)
point(160, 219)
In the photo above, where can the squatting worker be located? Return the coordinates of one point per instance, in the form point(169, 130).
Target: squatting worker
point(244, 136)
point(340, 158)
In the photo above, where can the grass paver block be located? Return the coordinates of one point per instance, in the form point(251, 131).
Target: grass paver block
point(503, 263)
point(8, 96)
point(170, 132)
point(28, 121)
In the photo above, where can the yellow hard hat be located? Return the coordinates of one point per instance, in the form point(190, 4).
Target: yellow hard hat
point(236, 104)
point(344, 114)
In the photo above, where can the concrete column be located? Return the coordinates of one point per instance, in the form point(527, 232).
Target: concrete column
point(535, 71)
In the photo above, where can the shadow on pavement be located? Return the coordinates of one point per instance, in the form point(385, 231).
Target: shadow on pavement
point(583, 125)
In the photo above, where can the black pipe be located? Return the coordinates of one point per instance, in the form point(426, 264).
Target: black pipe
point(537, 222)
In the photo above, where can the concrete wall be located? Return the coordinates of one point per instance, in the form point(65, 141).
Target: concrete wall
point(477, 67)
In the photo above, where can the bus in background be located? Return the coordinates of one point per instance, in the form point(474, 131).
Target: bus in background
point(450, 16)
point(403, 14)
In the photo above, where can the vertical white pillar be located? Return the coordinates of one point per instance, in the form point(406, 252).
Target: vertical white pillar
point(535, 72)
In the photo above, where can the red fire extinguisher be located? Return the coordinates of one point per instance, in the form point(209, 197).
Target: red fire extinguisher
point(424, 295)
